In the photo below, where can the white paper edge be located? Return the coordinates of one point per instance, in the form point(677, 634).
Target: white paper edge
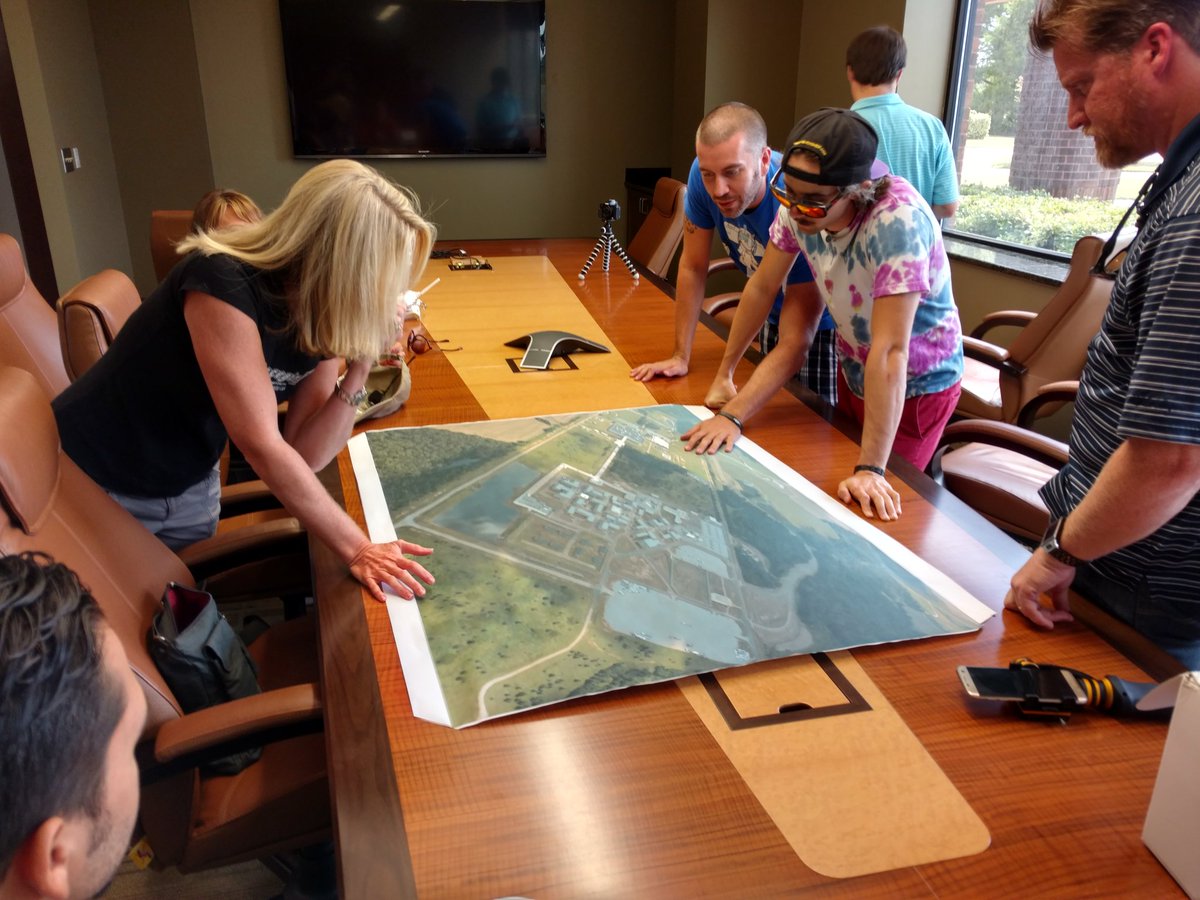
point(951, 590)
point(408, 631)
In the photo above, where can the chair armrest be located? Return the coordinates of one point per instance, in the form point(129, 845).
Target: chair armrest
point(720, 303)
point(1017, 318)
point(1008, 437)
point(245, 497)
point(216, 731)
point(721, 264)
point(238, 546)
point(990, 354)
point(1052, 392)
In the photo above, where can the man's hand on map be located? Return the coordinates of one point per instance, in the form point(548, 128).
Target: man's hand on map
point(873, 493)
point(668, 368)
point(1041, 573)
point(709, 436)
point(384, 565)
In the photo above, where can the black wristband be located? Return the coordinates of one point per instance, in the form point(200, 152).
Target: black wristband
point(732, 418)
point(876, 469)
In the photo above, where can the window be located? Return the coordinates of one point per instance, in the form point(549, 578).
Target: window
point(1025, 178)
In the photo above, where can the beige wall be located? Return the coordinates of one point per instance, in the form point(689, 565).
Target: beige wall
point(980, 290)
point(929, 33)
point(58, 82)
point(688, 108)
point(609, 90)
point(827, 30)
point(750, 58)
point(155, 114)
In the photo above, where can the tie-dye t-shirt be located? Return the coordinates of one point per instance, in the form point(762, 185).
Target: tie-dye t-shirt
point(892, 247)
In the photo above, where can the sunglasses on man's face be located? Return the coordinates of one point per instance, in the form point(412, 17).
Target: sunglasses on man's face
point(806, 206)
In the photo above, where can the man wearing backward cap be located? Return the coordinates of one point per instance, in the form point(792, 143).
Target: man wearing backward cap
point(877, 257)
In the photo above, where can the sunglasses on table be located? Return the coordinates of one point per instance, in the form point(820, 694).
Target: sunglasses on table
point(806, 206)
point(417, 344)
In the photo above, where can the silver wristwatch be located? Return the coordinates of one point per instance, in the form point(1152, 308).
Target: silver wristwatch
point(1050, 542)
point(356, 399)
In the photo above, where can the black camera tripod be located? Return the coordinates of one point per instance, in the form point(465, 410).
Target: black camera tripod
point(609, 211)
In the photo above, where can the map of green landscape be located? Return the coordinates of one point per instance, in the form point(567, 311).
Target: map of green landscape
point(576, 554)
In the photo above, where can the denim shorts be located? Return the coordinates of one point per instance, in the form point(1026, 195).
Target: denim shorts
point(183, 519)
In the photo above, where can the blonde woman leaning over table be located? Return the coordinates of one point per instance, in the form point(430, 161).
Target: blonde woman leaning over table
point(256, 315)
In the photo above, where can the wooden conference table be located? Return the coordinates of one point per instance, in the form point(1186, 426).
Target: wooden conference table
point(627, 795)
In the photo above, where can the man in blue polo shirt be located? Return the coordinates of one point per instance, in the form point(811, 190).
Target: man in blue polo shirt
point(1125, 514)
point(727, 192)
point(911, 141)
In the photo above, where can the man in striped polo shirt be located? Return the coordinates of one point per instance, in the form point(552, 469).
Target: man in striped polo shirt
point(912, 142)
point(1125, 515)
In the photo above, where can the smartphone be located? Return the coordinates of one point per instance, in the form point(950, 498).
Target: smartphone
point(1051, 685)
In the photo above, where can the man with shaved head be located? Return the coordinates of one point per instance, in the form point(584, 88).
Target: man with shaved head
point(727, 193)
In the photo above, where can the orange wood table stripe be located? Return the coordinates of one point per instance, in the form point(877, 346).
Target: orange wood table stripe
point(481, 310)
point(853, 792)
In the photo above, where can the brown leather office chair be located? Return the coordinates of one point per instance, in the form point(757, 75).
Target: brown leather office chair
point(1050, 347)
point(660, 236)
point(192, 820)
point(167, 228)
point(722, 306)
point(28, 330)
point(996, 468)
point(90, 315)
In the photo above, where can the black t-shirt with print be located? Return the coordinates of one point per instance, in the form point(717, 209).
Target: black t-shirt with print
point(141, 421)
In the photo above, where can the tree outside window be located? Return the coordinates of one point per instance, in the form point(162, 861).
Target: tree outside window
point(1025, 178)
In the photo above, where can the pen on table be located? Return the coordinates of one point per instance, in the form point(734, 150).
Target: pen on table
point(422, 291)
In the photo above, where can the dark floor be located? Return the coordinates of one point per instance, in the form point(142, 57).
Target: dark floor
point(244, 881)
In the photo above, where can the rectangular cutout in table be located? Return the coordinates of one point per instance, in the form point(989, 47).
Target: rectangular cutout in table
point(581, 553)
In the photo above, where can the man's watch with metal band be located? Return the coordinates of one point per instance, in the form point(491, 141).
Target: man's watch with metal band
point(1051, 542)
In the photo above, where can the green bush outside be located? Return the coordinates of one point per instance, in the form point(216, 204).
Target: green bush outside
point(1032, 218)
point(979, 125)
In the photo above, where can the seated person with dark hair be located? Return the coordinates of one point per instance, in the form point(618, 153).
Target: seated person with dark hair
point(71, 713)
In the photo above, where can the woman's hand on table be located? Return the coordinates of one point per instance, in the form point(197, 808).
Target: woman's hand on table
point(379, 566)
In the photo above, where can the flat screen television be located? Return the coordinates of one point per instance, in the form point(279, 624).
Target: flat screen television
point(434, 78)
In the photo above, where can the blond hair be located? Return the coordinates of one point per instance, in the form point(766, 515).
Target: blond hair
point(349, 243)
point(213, 206)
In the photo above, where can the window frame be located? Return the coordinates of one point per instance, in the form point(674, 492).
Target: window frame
point(956, 107)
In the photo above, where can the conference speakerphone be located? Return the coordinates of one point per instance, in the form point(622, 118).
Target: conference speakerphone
point(543, 346)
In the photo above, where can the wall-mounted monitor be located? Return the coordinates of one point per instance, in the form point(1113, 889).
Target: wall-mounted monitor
point(368, 78)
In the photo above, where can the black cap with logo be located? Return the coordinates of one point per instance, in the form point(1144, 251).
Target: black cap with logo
point(842, 141)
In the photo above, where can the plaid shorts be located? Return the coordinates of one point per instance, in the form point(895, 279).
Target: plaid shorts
point(820, 370)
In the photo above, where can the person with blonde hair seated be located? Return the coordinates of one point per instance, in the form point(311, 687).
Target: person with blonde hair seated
point(223, 208)
point(253, 316)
